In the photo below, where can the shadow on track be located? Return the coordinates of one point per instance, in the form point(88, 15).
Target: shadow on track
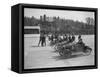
point(34, 46)
point(64, 57)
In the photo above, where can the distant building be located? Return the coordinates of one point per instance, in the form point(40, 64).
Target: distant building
point(44, 17)
point(49, 19)
point(41, 18)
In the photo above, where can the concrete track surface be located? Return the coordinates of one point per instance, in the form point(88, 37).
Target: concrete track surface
point(46, 57)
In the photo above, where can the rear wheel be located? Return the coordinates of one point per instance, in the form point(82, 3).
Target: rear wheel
point(66, 53)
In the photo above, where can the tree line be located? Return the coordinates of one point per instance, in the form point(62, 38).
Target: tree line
point(62, 25)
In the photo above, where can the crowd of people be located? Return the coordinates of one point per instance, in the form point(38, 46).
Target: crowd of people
point(64, 37)
point(57, 38)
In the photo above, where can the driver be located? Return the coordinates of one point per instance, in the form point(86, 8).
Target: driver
point(80, 41)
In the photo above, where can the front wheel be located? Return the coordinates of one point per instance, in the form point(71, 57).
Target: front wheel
point(88, 51)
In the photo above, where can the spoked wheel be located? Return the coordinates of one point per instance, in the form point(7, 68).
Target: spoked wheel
point(66, 53)
point(88, 51)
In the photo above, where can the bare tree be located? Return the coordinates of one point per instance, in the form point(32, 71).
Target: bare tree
point(90, 21)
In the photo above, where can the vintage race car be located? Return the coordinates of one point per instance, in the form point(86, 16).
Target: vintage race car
point(68, 49)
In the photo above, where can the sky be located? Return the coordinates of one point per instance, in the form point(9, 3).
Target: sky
point(64, 14)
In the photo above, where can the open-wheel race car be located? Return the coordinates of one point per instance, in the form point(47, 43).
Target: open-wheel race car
point(68, 49)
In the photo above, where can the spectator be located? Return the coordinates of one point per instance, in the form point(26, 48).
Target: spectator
point(73, 38)
point(79, 37)
point(41, 39)
point(44, 40)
